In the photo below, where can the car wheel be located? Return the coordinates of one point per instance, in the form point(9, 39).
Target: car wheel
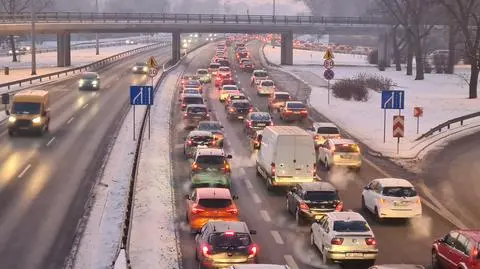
point(298, 218)
point(312, 239)
point(364, 206)
point(435, 263)
point(326, 165)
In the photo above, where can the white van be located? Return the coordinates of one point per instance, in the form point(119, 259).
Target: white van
point(286, 156)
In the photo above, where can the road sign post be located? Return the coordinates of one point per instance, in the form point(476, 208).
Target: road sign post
point(328, 63)
point(398, 129)
point(417, 113)
point(391, 100)
point(141, 96)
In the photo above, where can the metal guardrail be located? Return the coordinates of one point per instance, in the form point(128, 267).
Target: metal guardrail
point(447, 124)
point(74, 70)
point(55, 17)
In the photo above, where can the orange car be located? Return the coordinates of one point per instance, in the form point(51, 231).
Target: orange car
point(210, 204)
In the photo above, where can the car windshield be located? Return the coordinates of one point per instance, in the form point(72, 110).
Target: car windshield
point(89, 76)
point(209, 126)
point(322, 196)
point(201, 138)
point(224, 69)
point(350, 226)
point(141, 64)
point(228, 82)
point(224, 62)
point(190, 91)
point(247, 62)
point(197, 109)
point(193, 100)
point(296, 105)
point(215, 203)
point(241, 105)
point(399, 192)
point(193, 83)
point(230, 88)
point(261, 74)
point(260, 116)
point(267, 83)
point(347, 148)
point(214, 66)
point(202, 72)
point(282, 97)
point(26, 108)
point(327, 130)
point(210, 159)
point(221, 240)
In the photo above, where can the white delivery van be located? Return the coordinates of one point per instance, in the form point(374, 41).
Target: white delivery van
point(286, 156)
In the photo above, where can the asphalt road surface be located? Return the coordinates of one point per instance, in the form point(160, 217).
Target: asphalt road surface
point(45, 182)
point(281, 240)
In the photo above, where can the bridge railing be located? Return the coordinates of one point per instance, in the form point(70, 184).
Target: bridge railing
point(53, 17)
point(446, 125)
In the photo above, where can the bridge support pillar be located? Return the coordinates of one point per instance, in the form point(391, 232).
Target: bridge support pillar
point(176, 47)
point(64, 57)
point(286, 48)
point(384, 46)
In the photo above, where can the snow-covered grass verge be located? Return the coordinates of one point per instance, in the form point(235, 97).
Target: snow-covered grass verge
point(153, 238)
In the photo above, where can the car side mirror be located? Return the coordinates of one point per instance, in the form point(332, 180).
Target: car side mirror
point(294, 189)
point(187, 196)
point(366, 188)
point(44, 113)
point(235, 197)
point(7, 112)
point(229, 156)
point(253, 232)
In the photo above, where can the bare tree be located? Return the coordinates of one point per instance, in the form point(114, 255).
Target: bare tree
point(16, 6)
point(466, 14)
point(413, 16)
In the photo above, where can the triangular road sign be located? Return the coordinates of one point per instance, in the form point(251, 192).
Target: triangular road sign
point(328, 55)
point(152, 63)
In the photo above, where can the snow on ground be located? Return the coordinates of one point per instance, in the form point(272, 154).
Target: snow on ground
point(153, 240)
point(310, 57)
point(443, 97)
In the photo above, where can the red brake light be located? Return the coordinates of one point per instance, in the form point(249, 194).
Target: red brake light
point(226, 167)
point(195, 166)
point(249, 124)
point(229, 233)
point(273, 170)
point(288, 111)
point(189, 142)
point(250, 110)
point(185, 114)
point(232, 109)
point(337, 241)
point(206, 250)
point(232, 210)
point(252, 251)
point(196, 209)
point(339, 206)
point(371, 241)
point(304, 112)
point(316, 137)
point(304, 206)
point(314, 170)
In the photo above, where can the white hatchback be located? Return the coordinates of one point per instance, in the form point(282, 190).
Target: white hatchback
point(391, 198)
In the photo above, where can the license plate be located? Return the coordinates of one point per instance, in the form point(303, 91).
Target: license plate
point(197, 117)
point(318, 217)
point(296, 113)
point(401, 203)
point(240, 117)
point(345, 156)
point(354, 254)
point(261, 124)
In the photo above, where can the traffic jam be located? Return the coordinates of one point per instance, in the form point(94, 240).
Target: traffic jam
point(288, 152)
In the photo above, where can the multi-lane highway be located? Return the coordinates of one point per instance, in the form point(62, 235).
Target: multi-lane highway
point(280, 240)
point(45, 182)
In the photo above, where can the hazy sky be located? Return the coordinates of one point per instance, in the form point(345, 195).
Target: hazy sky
point(283, 7)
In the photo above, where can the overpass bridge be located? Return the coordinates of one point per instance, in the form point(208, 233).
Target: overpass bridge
point(65, 23)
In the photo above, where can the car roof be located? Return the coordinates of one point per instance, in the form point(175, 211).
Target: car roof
point(220, 193)
point(397, 266)
point(223, 226)
point(324, 124)
point(197, 105)
point(202, 69)
point(210, 122)
point(267, 80)
point(199, 133)
point(294, 102)
point(224, 67)
point(213, 63)
point(259, 266)
point(318, 186)
point(90, 74)
point(275, 93)
point(140, 63)
point(346, 215)
point(191, 89)
point(260, 113)
point(471, 233)
point(236, 94)
point(192, 95)
point(210, 151)
point(259, 70)
point(240, 101)
point(229, 85)
point(394, 182)
point(342, 141)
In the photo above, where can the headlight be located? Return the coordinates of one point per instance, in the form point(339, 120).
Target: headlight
point(37, 120)
point(94, 82)
point(12, 119)
point(80, 83)
point(135, 68)
point(145, 69)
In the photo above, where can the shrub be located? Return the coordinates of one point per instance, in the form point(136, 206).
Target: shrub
point(350, 88)
point(373, 57)
point(375, 82)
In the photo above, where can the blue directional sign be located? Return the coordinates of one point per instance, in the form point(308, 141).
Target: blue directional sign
point(141, 95)
point(393, 99)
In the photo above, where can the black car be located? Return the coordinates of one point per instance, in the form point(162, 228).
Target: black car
point(194, 114)
point(312, 200)
point(239, 109)
point(247, 66)
point(89, 81)
point(197, 138)
point(257, 121)
point(191, 99)
point(140, 68)
point(224, 243)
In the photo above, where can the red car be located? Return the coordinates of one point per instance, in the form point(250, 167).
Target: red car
point(458, 249)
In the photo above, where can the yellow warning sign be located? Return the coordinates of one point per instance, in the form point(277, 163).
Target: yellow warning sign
point(328, 55)
point(152, 63)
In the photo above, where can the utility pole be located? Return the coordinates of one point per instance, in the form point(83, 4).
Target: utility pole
point(97, 45)
point(33, 47)
point(274, 9)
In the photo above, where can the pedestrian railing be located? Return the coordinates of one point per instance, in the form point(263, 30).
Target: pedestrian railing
point(446, 125)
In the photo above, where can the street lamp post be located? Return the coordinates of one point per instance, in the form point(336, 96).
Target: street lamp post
point(33, 47)
point(97, 45)
point(274, 9)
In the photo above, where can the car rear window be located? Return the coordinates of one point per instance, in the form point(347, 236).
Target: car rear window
point(201, 138)
point(224, 63)
point(347, 148)
point(267, 83)
point(214, 66)
point(197, 109)
point(241, 105)
point(261, 74)
point(260, 116)
point(399, 192)
point(193, 100)
point(210, 159)
point(202, 72)
point(222, 240)
point(238, 97)
point(296, 105)
point(282, 97)
point(230, 88)
point(215, 203)
point(350, 226)
point(190, 91)
point(322, 196)
point(193, 83)
point(224, 69)
point(209, 126)
point(228, 82)
point(246, 62)
point(328, 130)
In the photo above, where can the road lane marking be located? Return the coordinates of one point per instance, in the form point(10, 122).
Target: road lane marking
point(249, 184)
point(70, 120)
point(290, 261)
point(24, 171)
point(242, 173)
point(85, 106)
point(265, 216)
point(50, 141)
point(255, 197)
point(438, 207)
point(276, 236)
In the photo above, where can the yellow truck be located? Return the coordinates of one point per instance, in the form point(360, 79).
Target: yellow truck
point(30, 112)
